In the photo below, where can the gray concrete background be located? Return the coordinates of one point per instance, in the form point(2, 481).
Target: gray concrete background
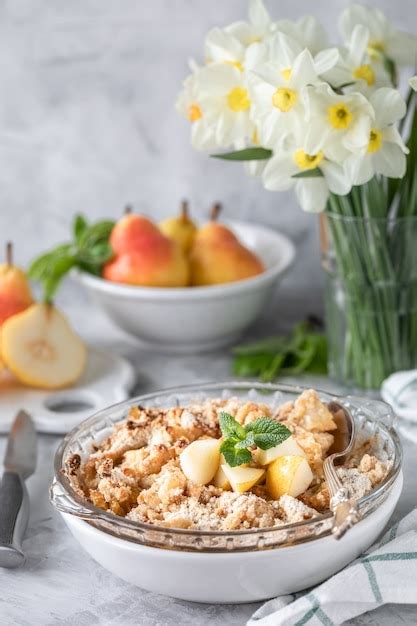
point(87, 119)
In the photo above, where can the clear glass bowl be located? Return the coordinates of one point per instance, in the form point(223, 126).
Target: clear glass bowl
point(371, 417)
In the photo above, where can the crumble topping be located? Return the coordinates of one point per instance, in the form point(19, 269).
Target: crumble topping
point(136, 471)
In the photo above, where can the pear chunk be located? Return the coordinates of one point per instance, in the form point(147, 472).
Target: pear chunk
point(220, 479)
point(289, 447)
point(288, 475)
point(41, 349)
point(242, 478)
point(200, 460)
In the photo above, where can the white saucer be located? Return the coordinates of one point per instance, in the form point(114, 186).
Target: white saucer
point(107, 379)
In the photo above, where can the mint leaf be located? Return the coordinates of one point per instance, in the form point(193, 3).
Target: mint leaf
point(230, 427)
point(79, 227)
point(304, 350)
point(267, 433)
point(234, 456)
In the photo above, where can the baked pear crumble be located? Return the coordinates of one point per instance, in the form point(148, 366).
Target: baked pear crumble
point(222, 464)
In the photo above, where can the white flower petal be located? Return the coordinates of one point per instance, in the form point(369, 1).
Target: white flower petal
point(277, 175)
point(357, 139)
point(284, 50)
point(258, 15)
point(303, 72)
point(312, 194)
point(326, 60)
point(336, 177)
point(402, 48)
point(221, 46)
point(392, 135)
point(359, 169)
point(388, 105)
point(357, 44)
point(390, 161)
point(203, 136)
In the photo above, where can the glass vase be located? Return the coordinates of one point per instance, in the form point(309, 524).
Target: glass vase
point(370, 297)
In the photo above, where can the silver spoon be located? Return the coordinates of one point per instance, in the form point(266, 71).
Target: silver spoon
point(345, 509)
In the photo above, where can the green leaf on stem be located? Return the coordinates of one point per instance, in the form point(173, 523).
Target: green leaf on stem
point(248, 154)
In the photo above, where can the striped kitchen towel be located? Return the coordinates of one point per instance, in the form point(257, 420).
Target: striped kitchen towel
point(385, 574)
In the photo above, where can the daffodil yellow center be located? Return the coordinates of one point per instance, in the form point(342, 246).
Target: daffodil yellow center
point(284, 99)
point(237, 64)
point(194, 112)
point(375, 140)
point(238, 99)
point(286, 74)
point(308, 161)
point(366, 73)
point(339, 116)
point(375, 48)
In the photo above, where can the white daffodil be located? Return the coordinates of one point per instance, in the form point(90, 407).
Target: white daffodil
point(307, 32)
point(413, 83)
point(384, 41)
point(292, 159)
point(356, 66)
point(225, 103)
point(256, 29)
point(282, 50)
point(189, 106)
point(276, 91)
point(340, 124)
point(223, 47)
point(385, 153)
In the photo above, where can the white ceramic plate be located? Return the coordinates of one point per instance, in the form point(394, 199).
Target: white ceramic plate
point(107, 379)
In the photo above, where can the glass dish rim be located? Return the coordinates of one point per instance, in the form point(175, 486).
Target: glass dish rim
point(99, 514)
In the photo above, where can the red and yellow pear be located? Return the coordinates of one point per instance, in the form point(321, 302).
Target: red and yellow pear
point(15, 293)
point(144, 256)
point(217, 255)
point(180, 229)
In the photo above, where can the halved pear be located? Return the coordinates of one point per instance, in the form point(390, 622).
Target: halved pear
point(288, 475)
point(289, 447)
point(242, 478)
point(200, 460)
point(41, 349)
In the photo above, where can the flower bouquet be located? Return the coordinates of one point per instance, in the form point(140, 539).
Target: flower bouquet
point(329, 122)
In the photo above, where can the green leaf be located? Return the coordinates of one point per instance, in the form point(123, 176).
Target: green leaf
point(248, 154)
point(267, 432)
point(303, 350)
point(230, 427)
point(234, 456)
point(247, 442)
point(79, 227)
point(315, 173)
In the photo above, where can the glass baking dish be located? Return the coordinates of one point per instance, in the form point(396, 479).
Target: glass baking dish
point(371, 418)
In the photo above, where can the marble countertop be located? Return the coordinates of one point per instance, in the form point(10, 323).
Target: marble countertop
point(61, 585)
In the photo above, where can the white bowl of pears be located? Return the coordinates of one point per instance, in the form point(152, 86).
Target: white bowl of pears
point(180, 288)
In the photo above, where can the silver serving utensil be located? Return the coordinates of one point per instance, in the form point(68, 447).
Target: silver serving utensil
point(345, 508)
point(19, 464)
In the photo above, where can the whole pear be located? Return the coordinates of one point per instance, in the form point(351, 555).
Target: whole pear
point(217, 255)
point(15, 293)
point(181, 228)
point(144, 256)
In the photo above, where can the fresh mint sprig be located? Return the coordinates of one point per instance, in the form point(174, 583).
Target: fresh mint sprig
point(88, 251)
point(264, 432)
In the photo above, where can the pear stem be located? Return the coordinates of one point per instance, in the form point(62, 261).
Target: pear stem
point(128, 209)
point(184, 210)
point(9, 253)
point(215, 210)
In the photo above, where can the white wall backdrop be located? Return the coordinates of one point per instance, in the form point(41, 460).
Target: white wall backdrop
point(87, 118)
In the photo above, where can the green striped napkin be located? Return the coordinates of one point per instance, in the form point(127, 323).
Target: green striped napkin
point(385, 574)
